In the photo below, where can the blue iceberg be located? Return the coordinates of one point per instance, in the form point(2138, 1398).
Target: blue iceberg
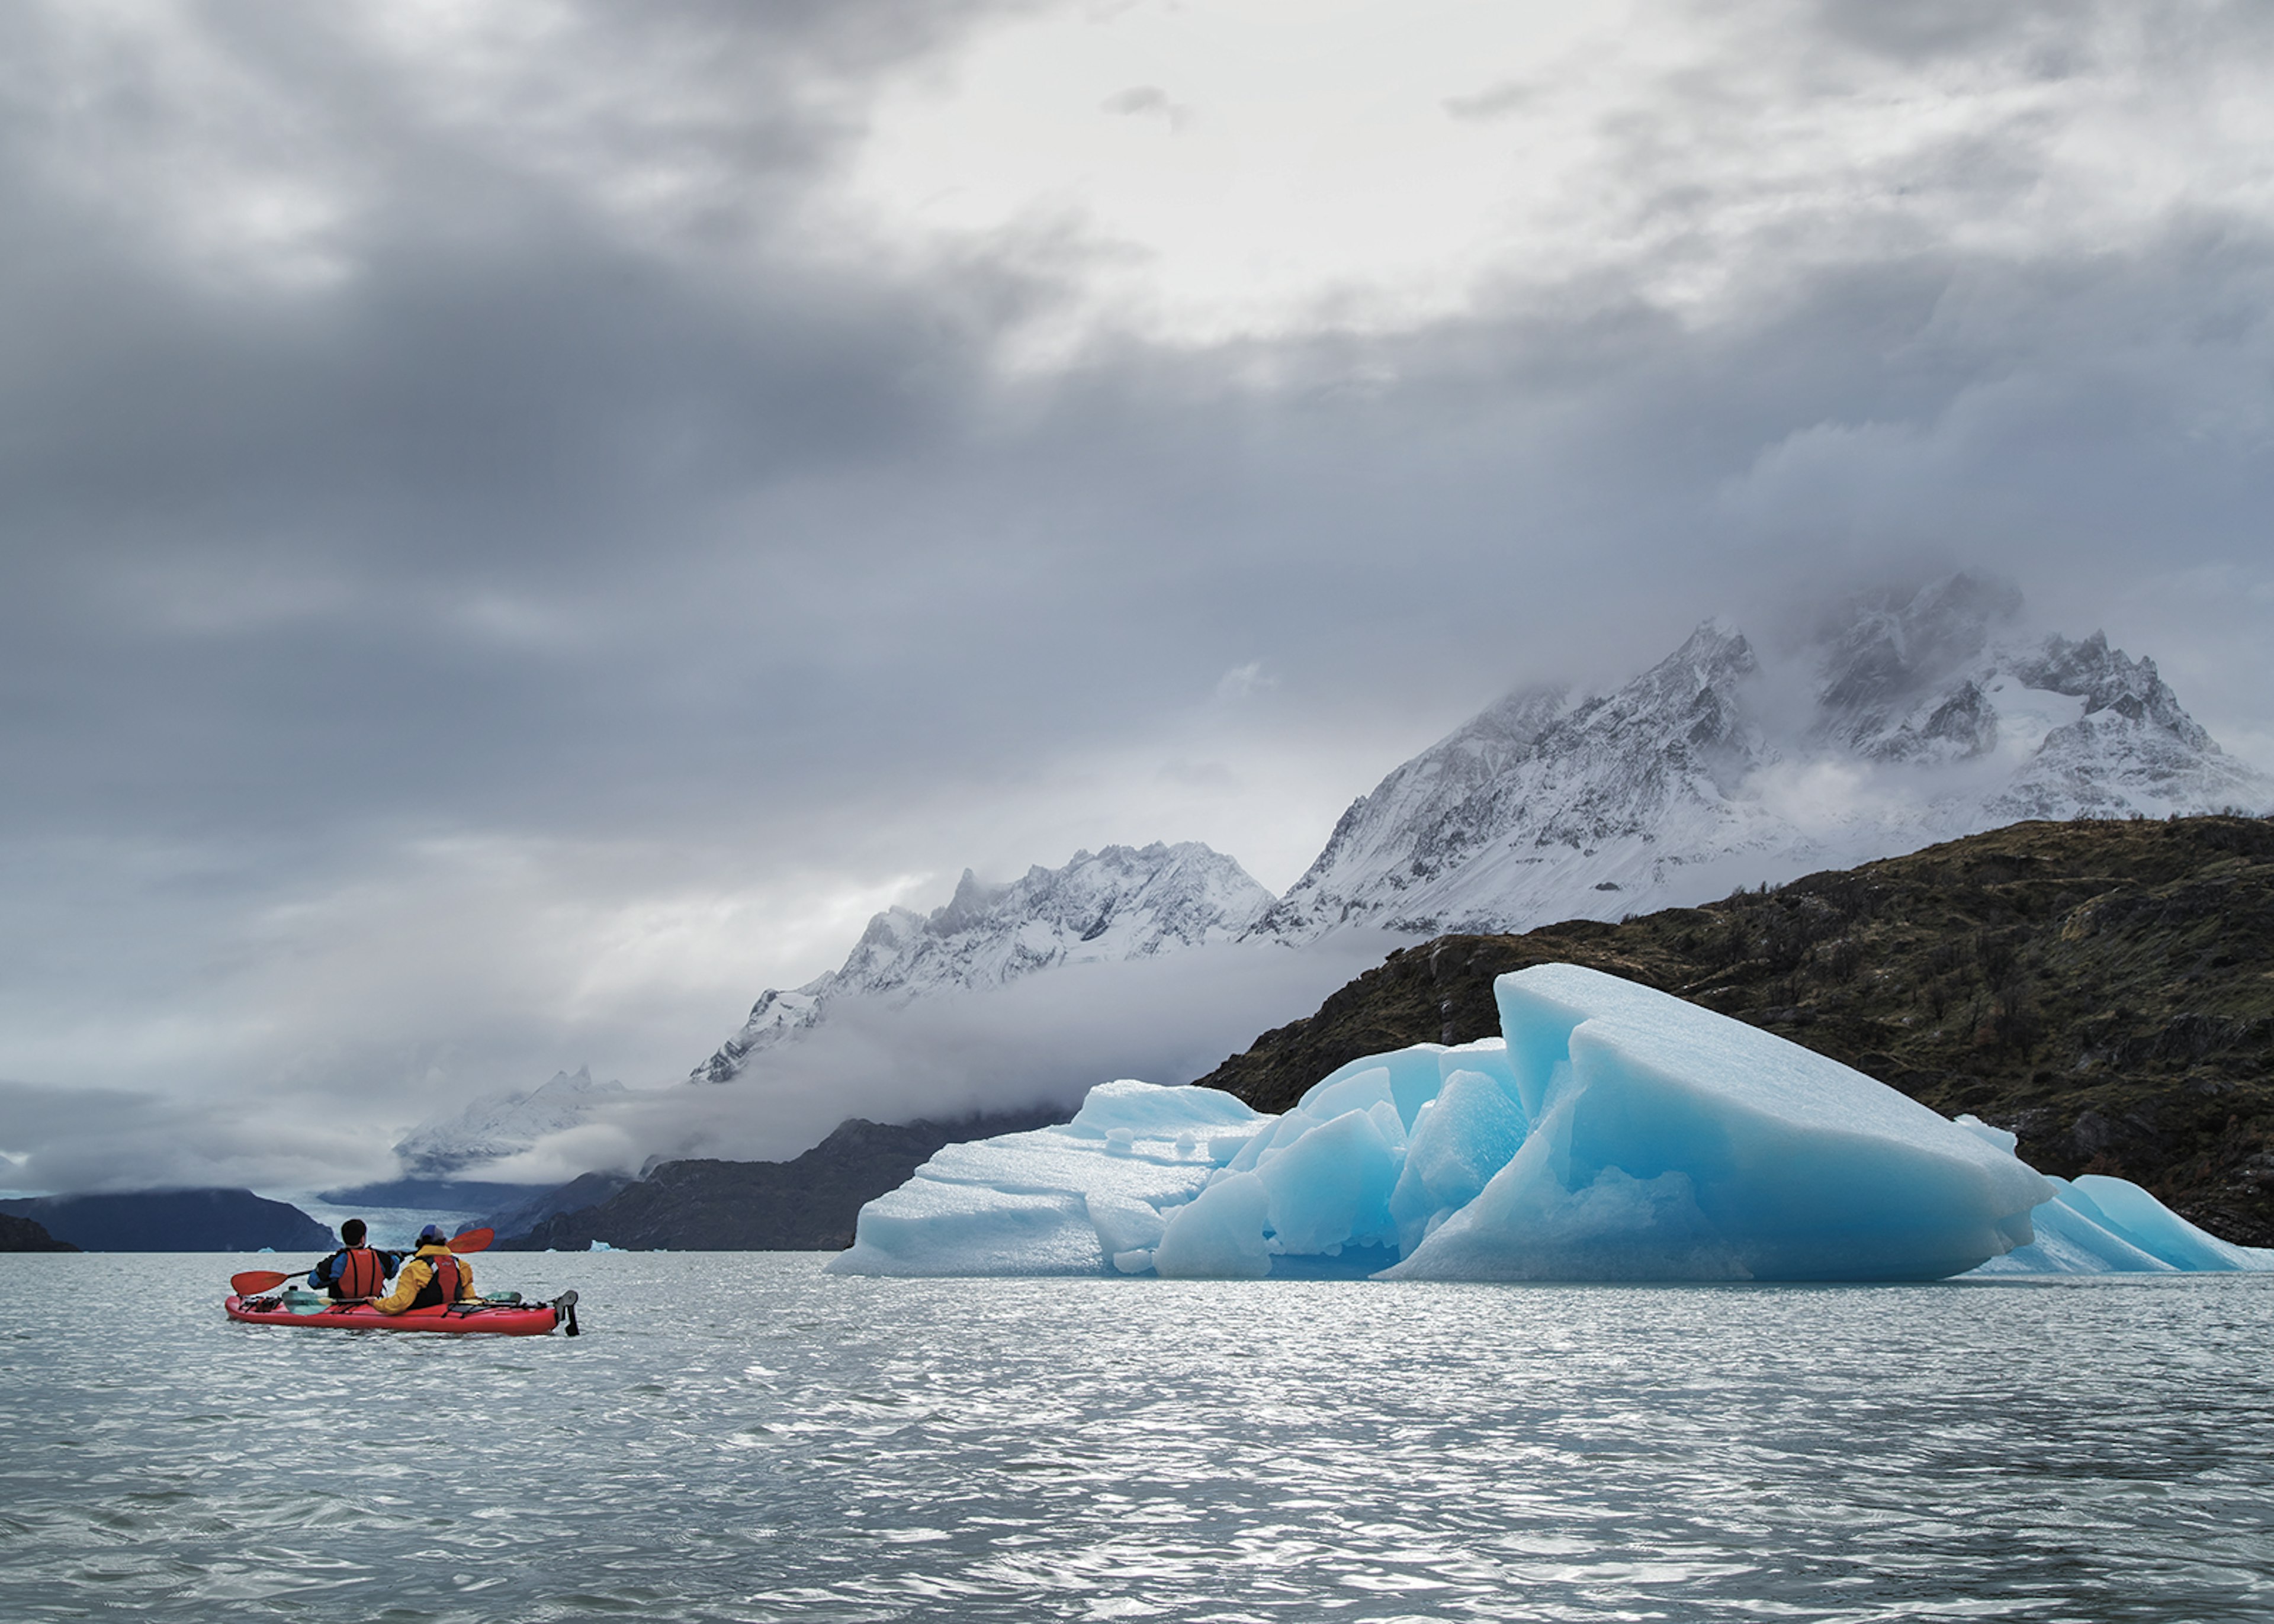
point(1612, 1133)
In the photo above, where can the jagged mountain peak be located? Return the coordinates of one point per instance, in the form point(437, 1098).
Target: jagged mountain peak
point(1668, 742)
point(1668, 787)
point(970, 902)
point(1120, 902)
point(500, 1124)
point(1887, 645)
point(2106, 680)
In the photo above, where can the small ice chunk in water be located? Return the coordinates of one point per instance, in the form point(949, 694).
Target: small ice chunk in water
point(2140, 1218)
point(2100, 1225)
point(1083, 1198)
point(929, 1227)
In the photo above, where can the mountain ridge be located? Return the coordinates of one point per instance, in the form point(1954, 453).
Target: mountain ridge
point(492, 1126)
point(806, 1204)
point(1118, 903)
point(1681, 781)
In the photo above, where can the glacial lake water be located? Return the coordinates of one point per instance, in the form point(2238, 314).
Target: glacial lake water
point(741, 1437)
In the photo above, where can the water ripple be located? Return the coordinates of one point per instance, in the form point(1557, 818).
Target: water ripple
point(741, 1438)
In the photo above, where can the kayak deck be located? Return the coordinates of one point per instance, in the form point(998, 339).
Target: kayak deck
point(493, 1319)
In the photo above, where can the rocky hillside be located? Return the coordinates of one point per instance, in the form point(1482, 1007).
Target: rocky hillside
point(2105, 989)
point(22, 1235)
point(174, 1220)
point(809, 1203)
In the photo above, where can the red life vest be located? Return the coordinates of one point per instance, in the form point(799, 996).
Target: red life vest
point(442, 1285)
point(361, 1274)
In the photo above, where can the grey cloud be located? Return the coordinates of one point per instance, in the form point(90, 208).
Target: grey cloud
point(1138, 99)
point(634, 546)
point(1493, 102)
point(98, 1138)
point(1040, 1041)
point(1944, 28)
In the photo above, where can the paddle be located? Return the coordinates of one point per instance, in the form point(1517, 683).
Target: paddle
point(252, 1282)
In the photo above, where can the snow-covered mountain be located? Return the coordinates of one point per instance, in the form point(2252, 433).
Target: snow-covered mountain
point(1899, 721)
point(1118, 904)
point(499, 1124)
point(1916, 725)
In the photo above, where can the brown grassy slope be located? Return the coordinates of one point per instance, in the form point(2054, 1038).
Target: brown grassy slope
point(2105, 989)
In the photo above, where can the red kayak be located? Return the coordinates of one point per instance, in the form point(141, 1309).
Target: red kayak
point(496, 1319)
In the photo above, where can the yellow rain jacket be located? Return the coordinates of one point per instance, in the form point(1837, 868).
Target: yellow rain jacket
point(418, 1274)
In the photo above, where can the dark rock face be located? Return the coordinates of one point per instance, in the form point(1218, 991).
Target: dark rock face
point(174, 1220)
point(806, 1205)
point(530, 1208)
point(2103, 989)
point(22, 1235)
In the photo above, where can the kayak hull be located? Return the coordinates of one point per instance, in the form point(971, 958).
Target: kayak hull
point(473, 1319)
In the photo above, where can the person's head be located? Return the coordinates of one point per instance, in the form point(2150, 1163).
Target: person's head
point(351, 1231)
point(432, 1236)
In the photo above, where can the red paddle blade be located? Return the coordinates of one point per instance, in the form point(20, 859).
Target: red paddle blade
point(252, 1282)
point(472, 1240)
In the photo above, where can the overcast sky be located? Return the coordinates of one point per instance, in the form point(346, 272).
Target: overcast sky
point(525, 523)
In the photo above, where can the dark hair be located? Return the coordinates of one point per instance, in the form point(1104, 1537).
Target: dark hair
point(351, 1231)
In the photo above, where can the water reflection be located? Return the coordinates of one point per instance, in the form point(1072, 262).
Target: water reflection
point(743, 1438)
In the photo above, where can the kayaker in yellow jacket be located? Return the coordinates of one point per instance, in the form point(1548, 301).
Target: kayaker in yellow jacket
point(434, 1276)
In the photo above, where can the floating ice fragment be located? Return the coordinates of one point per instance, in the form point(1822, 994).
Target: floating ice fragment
point(2162, 1233)
point(2100, 1225)
point(929, 1227)
point(1087, 1197)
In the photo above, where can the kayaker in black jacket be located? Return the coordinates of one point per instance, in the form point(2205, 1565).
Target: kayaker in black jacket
point(356, 1271)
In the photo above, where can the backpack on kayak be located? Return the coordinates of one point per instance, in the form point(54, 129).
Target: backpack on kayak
point(444, 1281)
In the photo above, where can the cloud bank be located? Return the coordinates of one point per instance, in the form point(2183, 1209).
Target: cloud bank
point(523, 526)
